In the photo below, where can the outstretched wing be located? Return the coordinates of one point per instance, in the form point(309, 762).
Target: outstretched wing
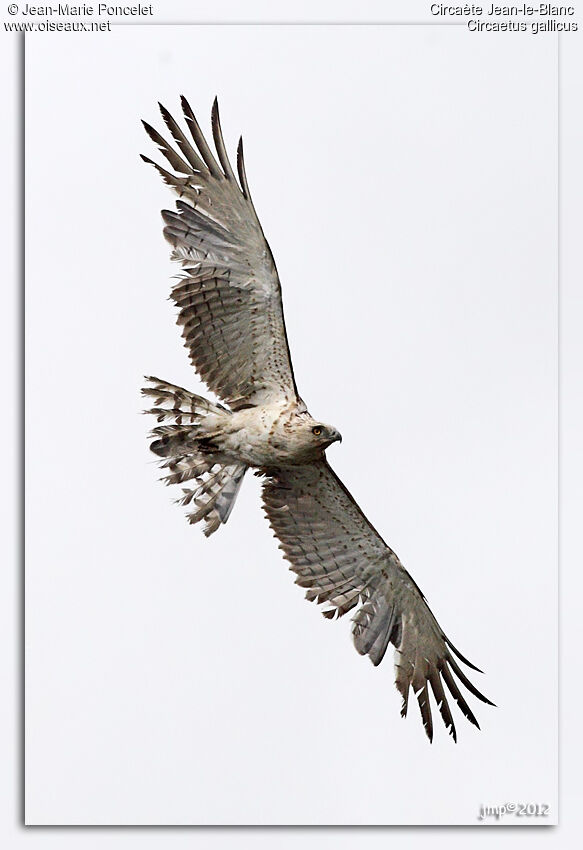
point(343, 561)
point(229, 296)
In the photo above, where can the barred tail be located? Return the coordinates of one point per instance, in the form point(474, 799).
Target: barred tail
point(215, 496)
point(184, 445)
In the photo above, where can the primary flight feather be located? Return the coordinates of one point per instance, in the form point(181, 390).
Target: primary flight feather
point(230, 310)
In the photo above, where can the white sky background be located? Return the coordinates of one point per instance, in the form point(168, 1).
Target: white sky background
point(406, 181)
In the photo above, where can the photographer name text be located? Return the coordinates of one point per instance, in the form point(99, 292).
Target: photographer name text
point(63, 10)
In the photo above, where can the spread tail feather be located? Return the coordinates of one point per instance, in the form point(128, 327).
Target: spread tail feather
point(215, 496)
point(185, 445)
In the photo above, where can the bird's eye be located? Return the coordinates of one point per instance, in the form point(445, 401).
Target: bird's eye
point(317, 430)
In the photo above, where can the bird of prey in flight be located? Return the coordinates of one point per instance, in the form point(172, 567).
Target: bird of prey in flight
point(230, 310)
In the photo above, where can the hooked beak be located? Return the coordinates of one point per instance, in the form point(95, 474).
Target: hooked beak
point(337, 437)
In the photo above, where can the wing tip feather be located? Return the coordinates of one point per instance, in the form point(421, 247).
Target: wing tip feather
point(460, 656)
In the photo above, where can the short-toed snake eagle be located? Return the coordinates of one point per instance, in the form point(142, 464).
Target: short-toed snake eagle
point(230, 311)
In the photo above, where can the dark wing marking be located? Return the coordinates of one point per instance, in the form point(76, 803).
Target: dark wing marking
point(229, 295)
point(342, 561)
